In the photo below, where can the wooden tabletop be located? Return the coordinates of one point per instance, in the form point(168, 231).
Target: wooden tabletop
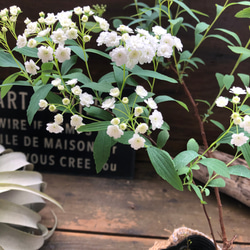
point(102, 213)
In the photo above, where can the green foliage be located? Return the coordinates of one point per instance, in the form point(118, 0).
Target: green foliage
point(164, 166)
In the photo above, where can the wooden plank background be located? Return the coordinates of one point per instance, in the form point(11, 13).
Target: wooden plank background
point(137, 211)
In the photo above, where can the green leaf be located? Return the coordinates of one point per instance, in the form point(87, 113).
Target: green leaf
point(79, 52)
point(244, 78)
point(46, 70)
point(239, 170)
point(68, 64)
point(217, 166)
point(164, 166)
point(218, 124)
point(98, 113)
point(33, 107)
point(9, 79)
point(245, 149)
point(165, 98)
point(98, 52)
point(184, 158)
point(198, 193)
point(176, 23)
point(102, 149)
point(224, 80)
point(118, 73)
point(187, 9)
point(219, 8)
point(6, 60)
point(94, 126)
point(240, 50)
point(153, 74)
point(200, 27)
point(218, 182)
point(231, 33)
point(26, 51)
point(193, 145)
point(93, 27)
point(162, 138)
point(79, 76)
point(224, 39)
point(245, 13)
point(116, 23)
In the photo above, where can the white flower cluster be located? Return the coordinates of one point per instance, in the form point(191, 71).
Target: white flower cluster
point(117, 127)
point(140, 48)
point(238, 117)
point(48, 51)
point(9, 15)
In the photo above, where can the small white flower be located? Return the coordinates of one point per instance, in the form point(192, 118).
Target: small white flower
point(45, 54)
point(21, 41)
point(141, 128)
point(72, 33)
point(60, 87)
point(87, 10)
point(115, 92)
point(86, 99)
point(86, 38)
point(50, 19)
point(123, 126)
point(248, 90)
point(109, 103)
point(177, 43)
point(165, 50)
point(84, 18)
point(58, 118)
point(58, 36)
point(32, 43)
point(245, 124)
point(72, 82)
point(76, 121)
point(114, 131)
point(78, 10)
point(115, 121)
point(31, 67)
point(14, 10)
point(221, 101)
point(151, 103)
point(76, 90)
point(123, 28)
point(54, 128)
point(136, 142)
point(43, 104)
point(44, 32)
point(236, 99)
point(125, 100)
point(56, 82)
point(31, 28)
point(119, 55)
point(52, 108)
point(65, 101)
point(156, 119)
point(237, 121)
point(104, 25)
point(140, 91)
point(239, 139)
point(237, 91)
point(138, 111)
point(62, 53)
point(158, 30)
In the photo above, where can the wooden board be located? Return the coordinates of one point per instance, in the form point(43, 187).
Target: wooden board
point(82, 241)
point(144, 207)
